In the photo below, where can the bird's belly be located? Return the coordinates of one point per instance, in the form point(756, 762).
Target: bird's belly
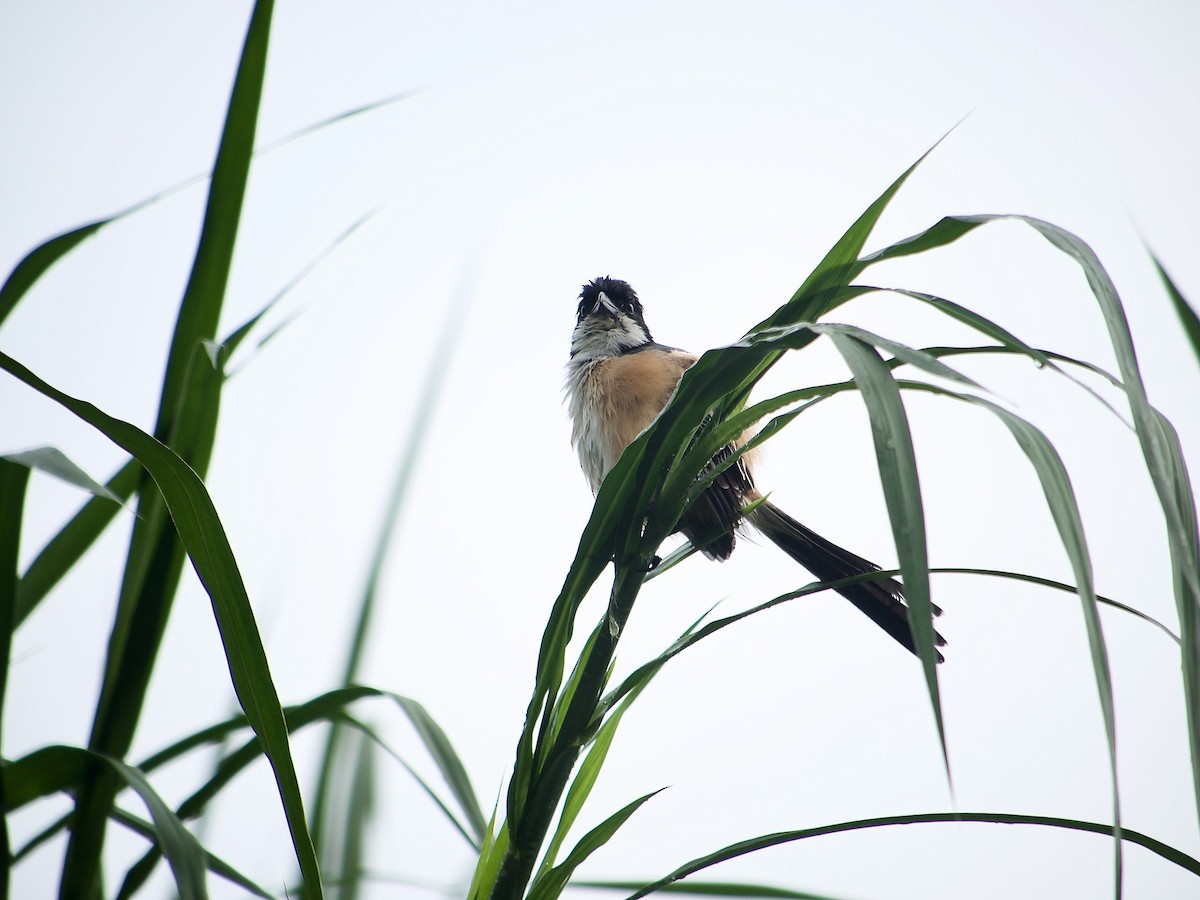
point(615, 400)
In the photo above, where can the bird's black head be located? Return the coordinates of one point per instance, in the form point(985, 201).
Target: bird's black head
point(621, 298)
point(609, 321)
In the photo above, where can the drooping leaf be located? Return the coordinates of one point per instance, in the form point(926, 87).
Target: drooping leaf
point(762, 842)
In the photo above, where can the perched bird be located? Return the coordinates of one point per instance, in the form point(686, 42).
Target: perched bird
point(619, 379)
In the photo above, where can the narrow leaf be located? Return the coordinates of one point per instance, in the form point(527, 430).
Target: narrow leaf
point(762, 842)
point(54, 462)
point(200, 530)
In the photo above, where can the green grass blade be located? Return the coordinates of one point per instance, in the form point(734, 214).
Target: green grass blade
point(54, 462)
point(1058, 586)
point(35, 263)
point(57, 768)
point(326, 707)
point(476, 843)
point(487, 870)
point(553, 882)
point(1160, 446)
point(339, 117)
point(73, 540)
point(1165, 463)
point(212, 862)
point(320, 708)
point(38, 260)
point(816, 295)
point(200, 530)
point(710, 889)
point(447, 761)
point(762, 842)
point(14, 479)
point(901, 489)
point(183, 852)
point(235, 338)
point(1187, 315)
point(430, 392)
point(585, 779)
point(1060, 498)
point(187, 417)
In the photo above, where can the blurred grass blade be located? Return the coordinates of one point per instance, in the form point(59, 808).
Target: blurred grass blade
point(447, 761)
point(340, 117)
point(58, 768)
point(370, 733)
point(343, 857)
point(741, 848)
point(552, 883)
point(320, 708)
point(183, 852)
point(35, 263)
point(710, 889)
point(14, 479)
point(200, 530)
point(901, 489)
point(231, 343)
point(73, 540)
point(54, 462)
point(212, 862)
point(38, 260)
point(1187, 315)
point(326, 707)
point(431, 390)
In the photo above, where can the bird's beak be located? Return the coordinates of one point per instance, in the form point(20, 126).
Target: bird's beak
point(604, 307)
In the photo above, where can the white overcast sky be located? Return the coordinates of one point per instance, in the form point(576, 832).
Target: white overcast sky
point(709, 153)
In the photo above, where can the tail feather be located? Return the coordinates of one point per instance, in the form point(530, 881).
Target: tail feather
point(881, 600)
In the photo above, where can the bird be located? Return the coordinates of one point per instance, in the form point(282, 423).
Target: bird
point(619, 379)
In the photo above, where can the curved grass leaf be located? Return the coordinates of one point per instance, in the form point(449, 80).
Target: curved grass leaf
point(1058, 586)
point(58, 768)
point(328, 707)
point(1060, 498)
point(551, 884)
point(1160, 445)
point(710, 889)
point(183, 852)
point(447, 760)
point(212, 862)
point(73, 540)
point(898, 475)
point(741, 848)
point(200, 530)
point(54, 462)
point(370, 733)
point(35, 263)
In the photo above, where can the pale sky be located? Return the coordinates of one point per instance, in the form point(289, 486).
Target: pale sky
point(709, 154)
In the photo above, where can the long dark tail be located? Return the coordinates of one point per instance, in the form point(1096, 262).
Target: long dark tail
point(881, 600)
